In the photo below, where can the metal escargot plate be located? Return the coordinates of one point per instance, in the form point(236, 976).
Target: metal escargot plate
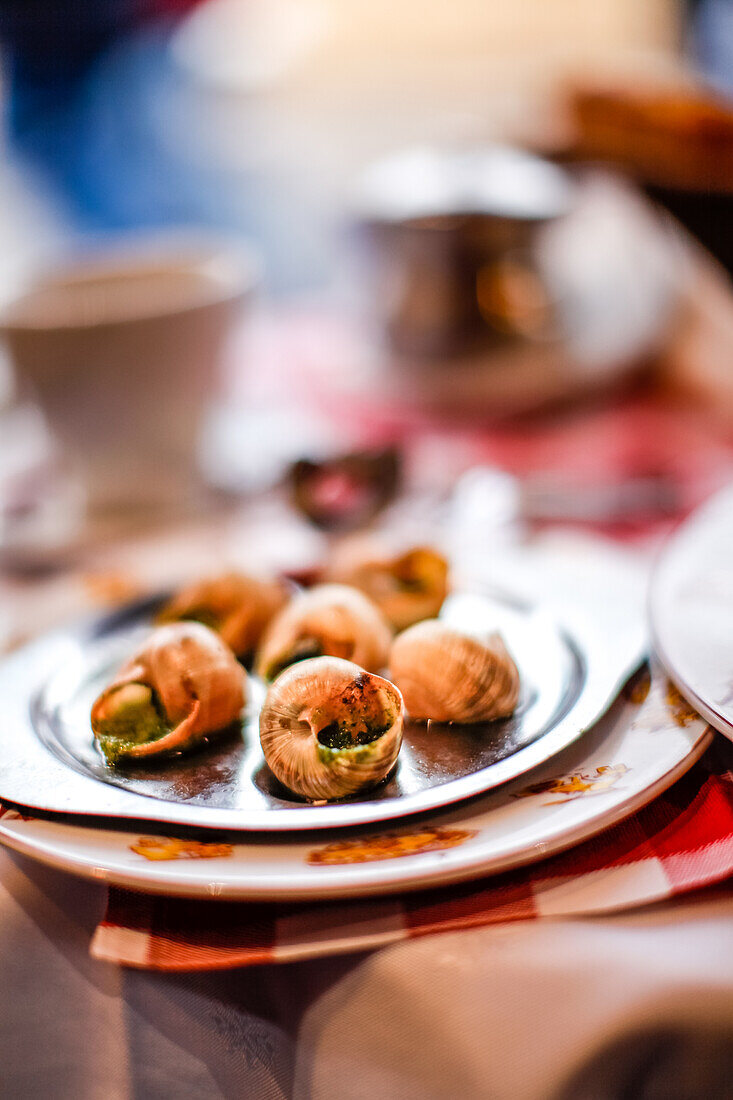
point(646, 740)
point(51, 763)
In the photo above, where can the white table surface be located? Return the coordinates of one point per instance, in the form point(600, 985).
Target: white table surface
point(639, 1004)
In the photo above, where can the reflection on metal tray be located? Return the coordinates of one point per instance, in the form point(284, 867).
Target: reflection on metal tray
point(52, 763)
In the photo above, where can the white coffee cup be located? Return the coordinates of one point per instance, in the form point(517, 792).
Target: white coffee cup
point(122, 354)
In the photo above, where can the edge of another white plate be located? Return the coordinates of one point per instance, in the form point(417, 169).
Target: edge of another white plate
point(683, 594)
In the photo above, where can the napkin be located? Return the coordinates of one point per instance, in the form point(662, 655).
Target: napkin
point(681, 842)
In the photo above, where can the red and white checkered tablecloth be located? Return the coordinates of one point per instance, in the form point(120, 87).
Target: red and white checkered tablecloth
point(681, 842)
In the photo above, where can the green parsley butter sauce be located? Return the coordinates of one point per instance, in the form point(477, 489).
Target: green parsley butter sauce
point(132, 719)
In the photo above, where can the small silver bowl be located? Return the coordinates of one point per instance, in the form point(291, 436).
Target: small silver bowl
point(450, 240)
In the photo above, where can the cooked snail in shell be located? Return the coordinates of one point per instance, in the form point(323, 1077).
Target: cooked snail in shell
point(330, 620)
point(446, 675)
point(181, 686)
point(407, 587)
point(329, 729)
point(238, 607)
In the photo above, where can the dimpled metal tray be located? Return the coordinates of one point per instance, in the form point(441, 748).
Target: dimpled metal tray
point(51, 762)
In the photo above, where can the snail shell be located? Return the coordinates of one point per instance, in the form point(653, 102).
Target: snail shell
point(238, 607)
point(407, 587)
point(329, 729)
point(194, 680)
point(329, 620)
point(448, 676)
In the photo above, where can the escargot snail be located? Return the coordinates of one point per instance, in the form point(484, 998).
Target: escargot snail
point(182, 685)
point(407, 587)
point(328, 620)
point(329, 729)
point(238, 607)
point(448, 676)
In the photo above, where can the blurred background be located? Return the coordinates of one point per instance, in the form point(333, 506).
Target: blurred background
point(255, 116)
point(467, 235)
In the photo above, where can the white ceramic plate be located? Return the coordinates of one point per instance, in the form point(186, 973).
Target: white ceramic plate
point(635, 752)
point(691, 610)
